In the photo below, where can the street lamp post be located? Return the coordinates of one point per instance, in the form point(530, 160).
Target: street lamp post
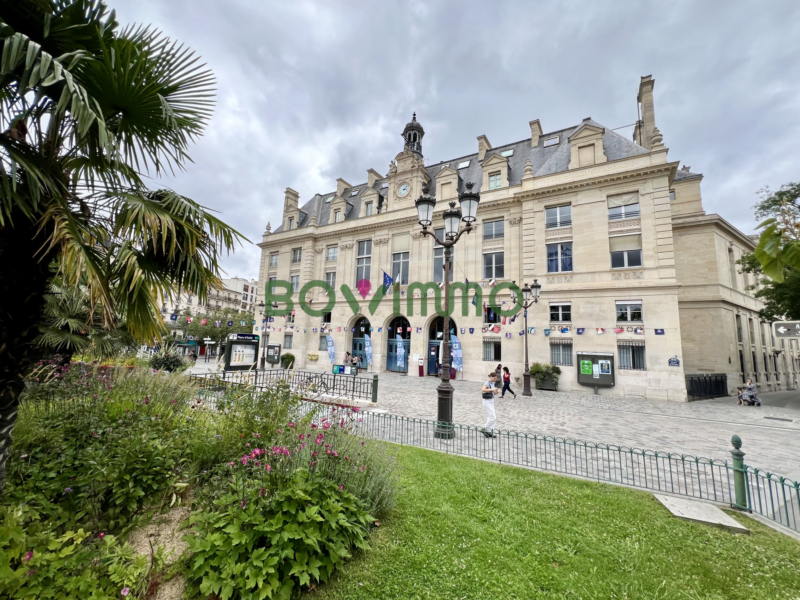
point(530, 296)
point(265, 314)
point(452, 218)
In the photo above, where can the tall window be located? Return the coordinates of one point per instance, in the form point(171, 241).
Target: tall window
point(739, 335)
point(291, 223)
point(494, 180)
point(493, 267)
point(491, 351)
point(400, 267)
point(623, 206)
point(561, 353)
point(363, 260)
point(438, 257)
point(326, 318)
point(330, 278)
point(295, 281)
point(558, 216)
point(273, 259)
point(629, 311)
point(337, 216)
point(626, 251)
point(368, 209)
point(271, 287)
point(490, 316)
point(559, 257)
point(287, 341)
point(755, 366)
point(323, 343)
point(297, 254)
point(752, 331)
point(732, 268)
point(631, 356)
point(561, 312)
point(290, 317)
point(331, 253)
point(493, 230)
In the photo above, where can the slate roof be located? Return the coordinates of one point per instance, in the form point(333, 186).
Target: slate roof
point(545, 161)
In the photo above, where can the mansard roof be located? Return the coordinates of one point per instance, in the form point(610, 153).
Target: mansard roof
point(545, 161)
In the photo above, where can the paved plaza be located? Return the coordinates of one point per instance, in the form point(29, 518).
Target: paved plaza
point(770, 434)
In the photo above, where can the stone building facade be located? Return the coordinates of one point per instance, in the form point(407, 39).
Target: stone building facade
point(613, 230)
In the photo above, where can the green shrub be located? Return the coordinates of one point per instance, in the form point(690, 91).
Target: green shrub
point(543, 372)
point(287, 360)
point(167, 361)
point(252, 546)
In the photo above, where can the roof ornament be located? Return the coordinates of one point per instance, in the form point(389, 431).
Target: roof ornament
point(269, 228)
point(656, 140)
point(528, 169)
point(686, 168)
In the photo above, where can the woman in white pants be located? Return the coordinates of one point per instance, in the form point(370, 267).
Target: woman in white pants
point(488, 393)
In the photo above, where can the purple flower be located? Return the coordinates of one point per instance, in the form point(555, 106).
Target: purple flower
point(125, 591)
point(243, 503)
point(28, 556)
point(67, 490)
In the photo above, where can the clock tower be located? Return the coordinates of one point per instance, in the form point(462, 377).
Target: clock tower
point(407, 172)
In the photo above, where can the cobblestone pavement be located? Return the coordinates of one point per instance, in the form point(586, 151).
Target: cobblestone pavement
point(700, 428)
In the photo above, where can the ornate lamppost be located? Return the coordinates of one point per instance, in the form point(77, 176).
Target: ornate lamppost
point(452, 218)
point(530, 296)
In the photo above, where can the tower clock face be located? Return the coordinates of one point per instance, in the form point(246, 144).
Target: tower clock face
point(403, 190)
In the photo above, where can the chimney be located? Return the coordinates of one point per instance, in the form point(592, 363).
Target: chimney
point(536, 132)
point(648, 115)
point(483, 145)
point(372, 177)
point(341, 186)
point(290, 199)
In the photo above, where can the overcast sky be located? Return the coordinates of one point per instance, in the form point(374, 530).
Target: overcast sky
point(312, 91)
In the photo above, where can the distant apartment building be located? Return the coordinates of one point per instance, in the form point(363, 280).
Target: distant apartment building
point(247, 289)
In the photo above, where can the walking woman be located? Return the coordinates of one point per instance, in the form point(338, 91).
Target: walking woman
point(506, 383)
point(499, 376)
point(752, 393)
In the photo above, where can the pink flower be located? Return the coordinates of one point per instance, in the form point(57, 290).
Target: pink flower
point(244, 460)
point(28, 556)
point(230, 464)
point(256, 435)
point(359, 420)
point(279, 431)
point(101, 535)
point(125, 591)
point(347, 458)
point(247, 444)
point(301, 436)
point(362, 468)
point(311, 464)
point(243, 503)
point(314, 426)
point(355, 409)
point(341, 487)
point(291, 424)
point(314, 453)
point(319, 439)
point(261, 493)
point(336, 454)
point(268, 468)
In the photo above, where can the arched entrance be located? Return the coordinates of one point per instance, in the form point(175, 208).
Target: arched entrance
point(398, 328)
point(361, 328)
point(435, 337)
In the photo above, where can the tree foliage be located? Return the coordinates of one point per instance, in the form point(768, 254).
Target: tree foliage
point(779, 245)
point(198, 331)
point(781, 299)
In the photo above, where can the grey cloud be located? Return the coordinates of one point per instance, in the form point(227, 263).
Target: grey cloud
point(312, 91)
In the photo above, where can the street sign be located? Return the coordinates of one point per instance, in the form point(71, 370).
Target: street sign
point(786, 329)
point(344, 370)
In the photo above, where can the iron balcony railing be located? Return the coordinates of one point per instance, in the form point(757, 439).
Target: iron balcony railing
point(741, 486)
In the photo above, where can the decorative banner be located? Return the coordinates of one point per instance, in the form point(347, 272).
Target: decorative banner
point(230, 323)
point(217, 323)
point(338, 330)
point(353, 329)
point(314, 330)
point(504, 320)
point(532, 330)
point(659, 332)
point(496, 328)
point(264, 321)
point(601, 330)
point(455, 347)
point(272, 319)
point(522, 332)
point(305, 330)
point(408, 329)
point(547, 331)
point(463, 329)
point(188, 319)
point(483, 329)
point(618, 329)
point(438, 334)
point(368, 349)
point(331, 351)
point(581, 330)
point(380, 329)
point(565, 330)
point(203, 321)
point(254, 321)
point(638, 331)
point(401, 352)
point(173, 317)
point(243, 322)
point(471, 330)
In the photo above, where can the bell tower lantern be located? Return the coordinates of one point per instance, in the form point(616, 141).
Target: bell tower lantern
point(413, 134)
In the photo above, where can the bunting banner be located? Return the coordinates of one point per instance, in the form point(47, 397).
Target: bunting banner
point(188, 319)
point(419, 329)
point(638, 331)
point(401, 351)
point(264, 321)
point(243, 323)
point(581, 330)
point(380, 329)
point(463, 330)
point(504, 318)
point(338, 330)
point(314, 330)
point(471, 330)
point(532, 330)
point(522, 332)
point(496, 329)
point(368, 349)
point(547, 332)
point(203, 321)
point(230, 323)
point(217, 323)
point(483, 329)
point(408, 329)
point(272, 319)
point(601, 330)
point(305, 330)
point(618, 329)
point(173, 317)
point(659, 332)
point(331, 350)
point(458, 360)
point(254, 322)
point(565, 330)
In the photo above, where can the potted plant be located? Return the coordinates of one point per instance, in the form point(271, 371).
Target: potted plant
point(287, 360)
point(313, 356)
point(545, 376)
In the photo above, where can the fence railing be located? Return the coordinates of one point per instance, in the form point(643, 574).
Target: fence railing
point(733, 483)
point(324, 385)
point(707, 386)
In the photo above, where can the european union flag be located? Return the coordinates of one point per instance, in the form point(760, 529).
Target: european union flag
point(387, 282)
point(173, 317)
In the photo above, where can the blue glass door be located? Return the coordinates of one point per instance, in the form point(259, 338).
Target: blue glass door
point(391, 357)
point(433, 356)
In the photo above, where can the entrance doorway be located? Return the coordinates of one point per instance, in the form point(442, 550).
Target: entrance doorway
point(398, 328)
point(435, 337)
point(362, 328)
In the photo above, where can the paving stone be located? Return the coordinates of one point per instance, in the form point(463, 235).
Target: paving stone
point(701, 512)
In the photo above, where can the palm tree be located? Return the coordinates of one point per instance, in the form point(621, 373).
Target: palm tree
point(87, 110)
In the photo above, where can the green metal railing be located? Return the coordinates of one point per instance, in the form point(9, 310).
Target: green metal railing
point(734, 483)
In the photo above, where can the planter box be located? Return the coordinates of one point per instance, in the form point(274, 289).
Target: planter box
point(547, 384)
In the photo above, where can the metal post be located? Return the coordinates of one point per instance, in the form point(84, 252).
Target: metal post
point(375, 388)
point(444, 420)
point(526, 374)
point(739, 486)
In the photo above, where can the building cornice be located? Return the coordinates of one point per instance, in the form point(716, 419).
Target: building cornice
point(699, 221)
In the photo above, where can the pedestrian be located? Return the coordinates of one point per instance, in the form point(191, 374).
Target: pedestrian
point(507, 383)
point(752, 393)
point(499, 375)
point(359, 364)
point(347, 358)
point(739, 396)
point(488, 393)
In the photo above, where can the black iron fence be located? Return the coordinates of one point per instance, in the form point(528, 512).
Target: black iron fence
point(706, 386)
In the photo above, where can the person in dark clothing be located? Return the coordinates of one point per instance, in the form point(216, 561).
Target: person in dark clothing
point(507, 383)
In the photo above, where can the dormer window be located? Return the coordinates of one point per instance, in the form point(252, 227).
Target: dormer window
point(291, 223)
point(328, 199)
point(444, 167)
point(494, 180)
point(463, 164)
point(385, 185)
point(354, 192)
point(507, 153)
point(337, 216)
point(368, 209)
point(551, 141)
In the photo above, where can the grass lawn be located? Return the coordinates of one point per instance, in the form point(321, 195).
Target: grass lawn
point(467, 529)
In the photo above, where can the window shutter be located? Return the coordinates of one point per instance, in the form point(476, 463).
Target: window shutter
point(623, 199)
point(625, 242)
point(401, 242)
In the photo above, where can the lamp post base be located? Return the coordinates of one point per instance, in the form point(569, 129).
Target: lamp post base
point(526, 383)
point(445, 430)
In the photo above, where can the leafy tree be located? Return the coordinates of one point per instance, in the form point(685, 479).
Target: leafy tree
point(779, 244)
point(781, 299)
point(87, 110)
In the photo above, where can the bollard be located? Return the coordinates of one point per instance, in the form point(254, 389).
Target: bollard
point(740, 489)
point(375, 388)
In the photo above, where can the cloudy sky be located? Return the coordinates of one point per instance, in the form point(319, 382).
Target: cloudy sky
point(312, 91)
